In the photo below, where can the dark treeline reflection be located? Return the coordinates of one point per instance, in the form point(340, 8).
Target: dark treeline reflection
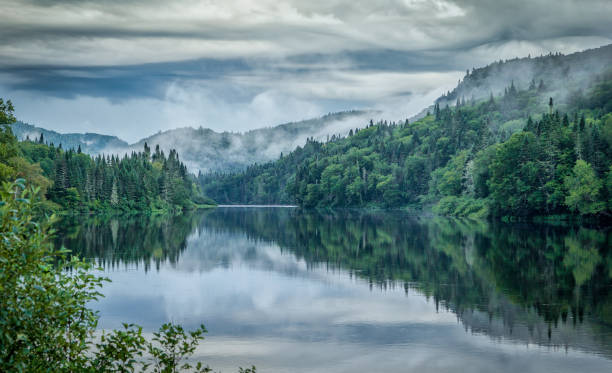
point(532, 283)
point(139, 239)
point(560, 272)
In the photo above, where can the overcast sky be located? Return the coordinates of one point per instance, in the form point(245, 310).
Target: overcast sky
point(133, 67)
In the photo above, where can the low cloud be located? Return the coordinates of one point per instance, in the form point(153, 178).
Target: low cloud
point(251, 102)
point(132, 68)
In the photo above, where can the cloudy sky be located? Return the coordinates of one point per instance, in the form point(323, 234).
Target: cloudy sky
point(133, 67)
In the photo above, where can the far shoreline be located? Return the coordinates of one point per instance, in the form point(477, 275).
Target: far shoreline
point(259, 206)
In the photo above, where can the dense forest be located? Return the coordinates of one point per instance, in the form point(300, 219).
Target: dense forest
point(71, 180)
point(520, 153)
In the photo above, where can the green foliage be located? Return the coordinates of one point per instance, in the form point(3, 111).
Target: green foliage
point(492, 157)
point(609, 187)
point(142, 181)
point(6, 112)
point(516, 184)
point(44, 296)
point(171, 344)
point(119, 350)
point(9, 149)
point(128, 351)
point(448, 180)
point(463, 207)
point(583, 188)
point(36, 288)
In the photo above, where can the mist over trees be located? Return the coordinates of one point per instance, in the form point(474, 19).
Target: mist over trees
point(204, 149)
point(515, 154)
point(563, 77)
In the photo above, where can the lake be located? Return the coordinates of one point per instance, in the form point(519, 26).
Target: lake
point(290, 290)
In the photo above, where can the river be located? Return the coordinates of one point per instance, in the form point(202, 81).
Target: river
point(290, 290)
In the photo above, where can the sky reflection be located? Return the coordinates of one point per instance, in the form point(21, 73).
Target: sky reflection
point(265, 306)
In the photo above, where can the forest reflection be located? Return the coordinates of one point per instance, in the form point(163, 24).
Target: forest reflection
point(532, 283)
point(140, 240)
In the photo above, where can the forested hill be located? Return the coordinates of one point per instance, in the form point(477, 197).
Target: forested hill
point(513, 154)
point(90, 143)
point(72, 180)
point(565, 76)
point(206, 150)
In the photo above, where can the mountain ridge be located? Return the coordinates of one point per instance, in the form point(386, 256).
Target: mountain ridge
point(540, 150)
point(89, 142)
point(206, 150)
point(563, 74)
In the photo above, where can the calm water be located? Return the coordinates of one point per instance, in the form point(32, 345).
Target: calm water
point(294, 291)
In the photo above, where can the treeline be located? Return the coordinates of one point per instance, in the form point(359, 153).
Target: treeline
point(141, 181)
point(508, 155)
point(260, 183)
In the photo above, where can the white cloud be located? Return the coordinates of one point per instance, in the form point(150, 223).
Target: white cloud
point(194, 104)
point(133, 32)
point(296, 59)
point(490, 52)
point(138, 50)
point(276, 99)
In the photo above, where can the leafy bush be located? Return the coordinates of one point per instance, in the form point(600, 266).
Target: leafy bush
point(462, 206)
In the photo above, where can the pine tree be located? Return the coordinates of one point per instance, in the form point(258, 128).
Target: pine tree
point(114, 197)
point(550, 106)
point(532, 84)
point(541, 86)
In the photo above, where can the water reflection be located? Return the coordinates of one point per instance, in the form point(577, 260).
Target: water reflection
point(140, 239)
point(281, 287)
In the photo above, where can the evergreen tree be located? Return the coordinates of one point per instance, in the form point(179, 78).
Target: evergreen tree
point(584, 189)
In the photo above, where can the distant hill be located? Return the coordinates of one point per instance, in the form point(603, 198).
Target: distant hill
point(562, 76)
point(91, 143)
point(520, 153)
point(206, 150)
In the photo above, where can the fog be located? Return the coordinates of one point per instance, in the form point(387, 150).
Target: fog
point(133, 68)
point(205, 150)
point(561, 75)
point(239, 104)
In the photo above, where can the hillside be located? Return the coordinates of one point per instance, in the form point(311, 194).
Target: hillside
point(205, 150)
point(564, 77)
point(91, 143)
point(77, 182)
point(73, 181)
point(518, 153)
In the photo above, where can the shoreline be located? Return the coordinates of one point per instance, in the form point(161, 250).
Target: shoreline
point(259, 206)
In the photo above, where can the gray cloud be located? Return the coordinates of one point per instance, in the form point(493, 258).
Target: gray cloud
point(135, 67)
